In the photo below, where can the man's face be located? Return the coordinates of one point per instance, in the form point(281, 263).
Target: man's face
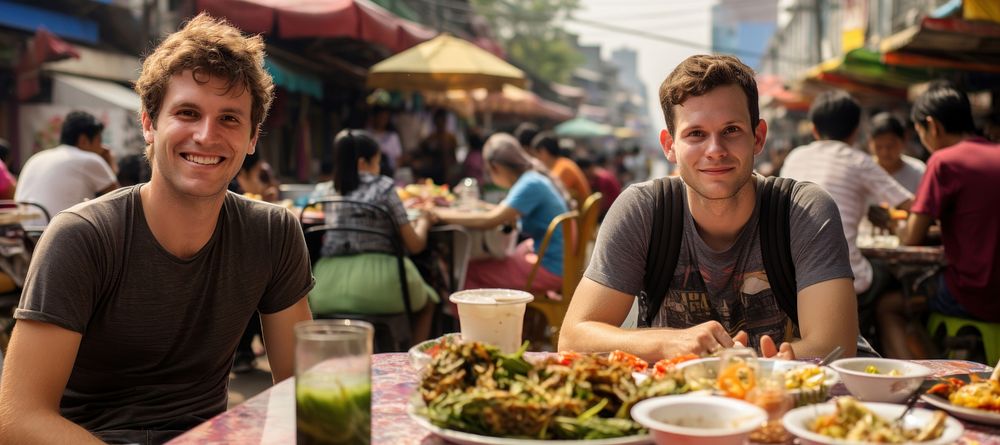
point(714, 144)
point(887, 147)
point(201, 136)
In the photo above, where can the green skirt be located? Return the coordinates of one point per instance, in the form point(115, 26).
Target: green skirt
point(366, 283)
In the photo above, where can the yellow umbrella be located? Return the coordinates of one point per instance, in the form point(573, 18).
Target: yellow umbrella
point(444, 63)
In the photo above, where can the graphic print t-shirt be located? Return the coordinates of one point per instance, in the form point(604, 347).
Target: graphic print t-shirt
point(728, 286)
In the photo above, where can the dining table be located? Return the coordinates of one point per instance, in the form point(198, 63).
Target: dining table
point(269, 417)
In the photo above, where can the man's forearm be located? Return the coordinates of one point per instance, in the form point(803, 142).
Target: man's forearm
point(592, 336)
point(42, 428)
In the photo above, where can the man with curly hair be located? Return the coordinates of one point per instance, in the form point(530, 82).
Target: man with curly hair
point(719, 293)
point(135, 301)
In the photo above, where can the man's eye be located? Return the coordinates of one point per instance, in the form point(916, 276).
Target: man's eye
point(187, 113)
point(731, 130)
point(230, 118)
point(696, 134)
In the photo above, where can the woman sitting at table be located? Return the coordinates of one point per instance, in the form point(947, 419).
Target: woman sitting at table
point(357, 272)
point(534, 200)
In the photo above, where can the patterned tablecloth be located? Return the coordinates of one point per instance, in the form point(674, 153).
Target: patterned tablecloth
point(269, 418)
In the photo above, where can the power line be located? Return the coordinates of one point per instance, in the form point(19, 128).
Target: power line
point(679, 42)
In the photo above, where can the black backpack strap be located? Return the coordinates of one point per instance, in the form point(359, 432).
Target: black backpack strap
point(776, 241)
point(664, 247)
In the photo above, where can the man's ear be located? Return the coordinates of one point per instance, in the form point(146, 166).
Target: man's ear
point(760, 137)
point(253, 142)
point(815, 133)
point(147, 127)
point(667, 142)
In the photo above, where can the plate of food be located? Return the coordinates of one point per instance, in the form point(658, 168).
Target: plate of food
point(972, 397)
point(848, 421)
point(472, 393)
point(806, 382)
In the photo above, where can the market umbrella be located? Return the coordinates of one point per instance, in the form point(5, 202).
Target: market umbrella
point(582, 128)
point(444, 63)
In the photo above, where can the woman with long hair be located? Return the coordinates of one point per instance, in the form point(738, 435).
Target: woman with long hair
point(533, 200)
point(357, 272)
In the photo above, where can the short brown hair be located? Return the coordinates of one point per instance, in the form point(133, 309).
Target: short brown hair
point(697, 75)
point(208, 47)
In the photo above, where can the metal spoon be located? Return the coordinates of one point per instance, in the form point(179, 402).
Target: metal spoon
point(910, 403)
point(832, 356)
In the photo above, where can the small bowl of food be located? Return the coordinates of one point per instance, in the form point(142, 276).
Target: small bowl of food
point(698, 420)
point(847, 421)
point(807, 383)
point(881, 379)
point(422, 353)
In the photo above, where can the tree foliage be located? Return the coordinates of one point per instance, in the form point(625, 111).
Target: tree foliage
point(531, 33)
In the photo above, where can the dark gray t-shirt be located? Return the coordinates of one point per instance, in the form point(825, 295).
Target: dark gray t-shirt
point(159, 332)
point(728, 286)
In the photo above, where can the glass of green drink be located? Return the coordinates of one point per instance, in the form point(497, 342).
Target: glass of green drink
point(333, 382)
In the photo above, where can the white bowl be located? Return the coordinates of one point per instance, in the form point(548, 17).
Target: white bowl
point(708, 368)
point(419, 358)
point(797, 422)
point(881, 387)
point(706, 420)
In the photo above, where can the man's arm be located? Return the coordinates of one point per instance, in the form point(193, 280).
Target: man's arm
point(36, 369)
point(477, 220)
point(828, 317)
point(279, 338)
point(916, 229)
point(596, 312)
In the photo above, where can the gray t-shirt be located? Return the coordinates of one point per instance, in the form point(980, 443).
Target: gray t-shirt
point(729, 286)
point(910, 174)
point(159, 332)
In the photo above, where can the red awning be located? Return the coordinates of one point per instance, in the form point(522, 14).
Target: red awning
point(44, 47)
point(289, 19)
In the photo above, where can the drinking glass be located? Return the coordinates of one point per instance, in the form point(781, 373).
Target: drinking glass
point(333, 382)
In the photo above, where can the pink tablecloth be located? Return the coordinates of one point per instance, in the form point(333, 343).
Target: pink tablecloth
point(269, 418)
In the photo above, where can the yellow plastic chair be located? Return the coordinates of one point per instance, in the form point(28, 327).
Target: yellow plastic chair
point(555, 310)
point(988, 332)
point(588, 218)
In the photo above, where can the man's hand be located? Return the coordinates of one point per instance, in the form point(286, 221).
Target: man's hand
point(879, 217)
point(707, 338)
point(769, 350)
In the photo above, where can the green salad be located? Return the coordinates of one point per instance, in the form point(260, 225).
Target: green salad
point(473, 387)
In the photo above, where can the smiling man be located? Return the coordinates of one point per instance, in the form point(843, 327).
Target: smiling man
point(719, 292)
point(134, 302)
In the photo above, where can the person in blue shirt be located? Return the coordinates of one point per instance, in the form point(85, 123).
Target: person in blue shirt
point(533, 200)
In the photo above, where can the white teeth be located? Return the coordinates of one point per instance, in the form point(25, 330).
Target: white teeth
point(203, 160)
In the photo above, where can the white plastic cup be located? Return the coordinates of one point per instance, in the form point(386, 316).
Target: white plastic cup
point(493, 316)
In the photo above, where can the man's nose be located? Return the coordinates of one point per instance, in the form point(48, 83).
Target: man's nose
point(207, 131)
point(715, 147)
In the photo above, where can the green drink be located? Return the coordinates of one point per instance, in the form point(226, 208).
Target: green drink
point(328, 411)
point(333, 395)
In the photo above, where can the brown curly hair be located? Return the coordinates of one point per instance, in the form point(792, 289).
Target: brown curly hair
point(209, 47)
point(697, 75)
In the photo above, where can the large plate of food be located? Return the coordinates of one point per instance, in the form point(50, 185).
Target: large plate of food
point(471, 393)
point(847, 421)
point(967, 396)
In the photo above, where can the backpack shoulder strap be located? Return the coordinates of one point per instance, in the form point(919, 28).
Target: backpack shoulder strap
point(664, 247)
point(775, 242)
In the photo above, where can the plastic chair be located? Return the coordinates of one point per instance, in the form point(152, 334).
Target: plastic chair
point(393, 332)
point(988, 332)
point(29, 236)
point(555, 310)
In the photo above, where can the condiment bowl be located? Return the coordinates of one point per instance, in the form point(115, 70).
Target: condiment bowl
point(698, 420)
point(881, 387)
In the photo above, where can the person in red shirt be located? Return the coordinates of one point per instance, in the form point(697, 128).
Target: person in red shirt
point(959, 190)
point(601, 180)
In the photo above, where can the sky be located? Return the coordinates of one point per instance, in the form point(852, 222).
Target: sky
point(680, 19)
